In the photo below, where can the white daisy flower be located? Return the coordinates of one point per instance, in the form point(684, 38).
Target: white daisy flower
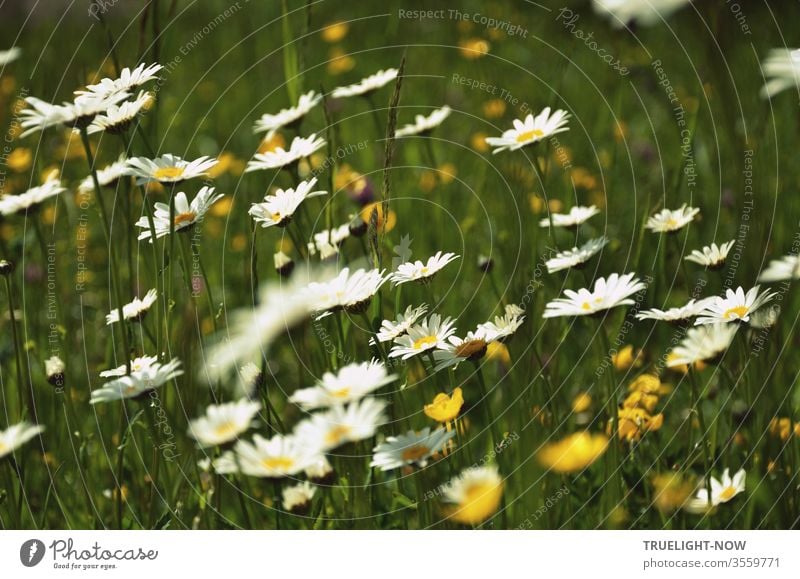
point(608, 293)
point(251, 331)
point(297, 498)
point(54, 369)
point(327, 430)
point(134, 310)
point(576, 216)
point(186, 214)
point(147, 378)
point(278, 209)
point(668, 221)
point(327, 242)
point(278, 158)
point(349, 383)
point(643, 12)
point(251, 378)
point(411, 448)
point(530, 131)
point(430, 334)
point(168, 168)
point(351, 291)
point(391, 329)
point(764, 318)
point(106, 176)
point(680, 314)
point(278, 457)
point(456, 349)
point(785, 268)
point(419, 271)
point(137, 365)
point(423, 125)
point(117, 118)
point(321, 471)
point(735, 306)
point(11, 204)
point(10, 55)
point(15, 436)
point(40, 115)
point(782, 70)
point(128, 81)
point(367, 85)
point(503, 326)
point(576, 256)
point(287, 117)
point(722, 491)
point(223, 422)
point(702, 344)
point(711, 256)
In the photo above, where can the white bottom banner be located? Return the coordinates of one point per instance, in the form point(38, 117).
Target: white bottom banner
point(390, 554)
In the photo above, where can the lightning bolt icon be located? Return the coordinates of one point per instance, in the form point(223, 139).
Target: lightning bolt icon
point(32, 552)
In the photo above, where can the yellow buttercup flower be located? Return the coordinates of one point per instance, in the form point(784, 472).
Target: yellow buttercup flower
point(474, 48)
point(335, 32)
point(19, 160)
point(634, 422)
point(582, 402)
point(641, 400)
point(475, 495)
point(270, 144)
point(366, 215)
point(645, 383)
point(478, 142)
point(340, 62)
point(445, 408)
point(498, 351)
point(494, 108)
point(671, 491)
point(627, 358)
point(573, 453)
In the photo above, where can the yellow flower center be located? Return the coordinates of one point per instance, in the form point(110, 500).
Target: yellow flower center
point(168, 173)
point(276, 217)
point(225, 429)
point(277, 462)
point(341, 392)
point(529, 135)
point(424, 270)
point(735, 313)
point(671, 223)
point(187, 217)
point(727, 493)
point(337, 434)
point(424, 342)
point(414, 453)
point(3, 448)
point(476, 348)
point(586, 306)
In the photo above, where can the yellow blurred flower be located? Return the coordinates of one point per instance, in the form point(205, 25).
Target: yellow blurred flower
point(335, 32)
point(625, 358)
point(227, 163)
point(494, 108)
point(478, 142)
point(583, 179)
point(427, 181)
point(498, 351)
point(683, 368)
point(582, 402)
point(634, 422)
point(19, 160)
point(447, 172)
point(781, 428)
point(536, 203)
point(573, 453)
point(445, 408)
point(473, 48)
point(555, 205)
point(671, 491)
point(366, 215)
point(339, 61)
point(50, 172)
point(646, 383)
point(475, 495)
point(239, 242)
point(272, 143)
point(641, 400)
point(222, 207)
